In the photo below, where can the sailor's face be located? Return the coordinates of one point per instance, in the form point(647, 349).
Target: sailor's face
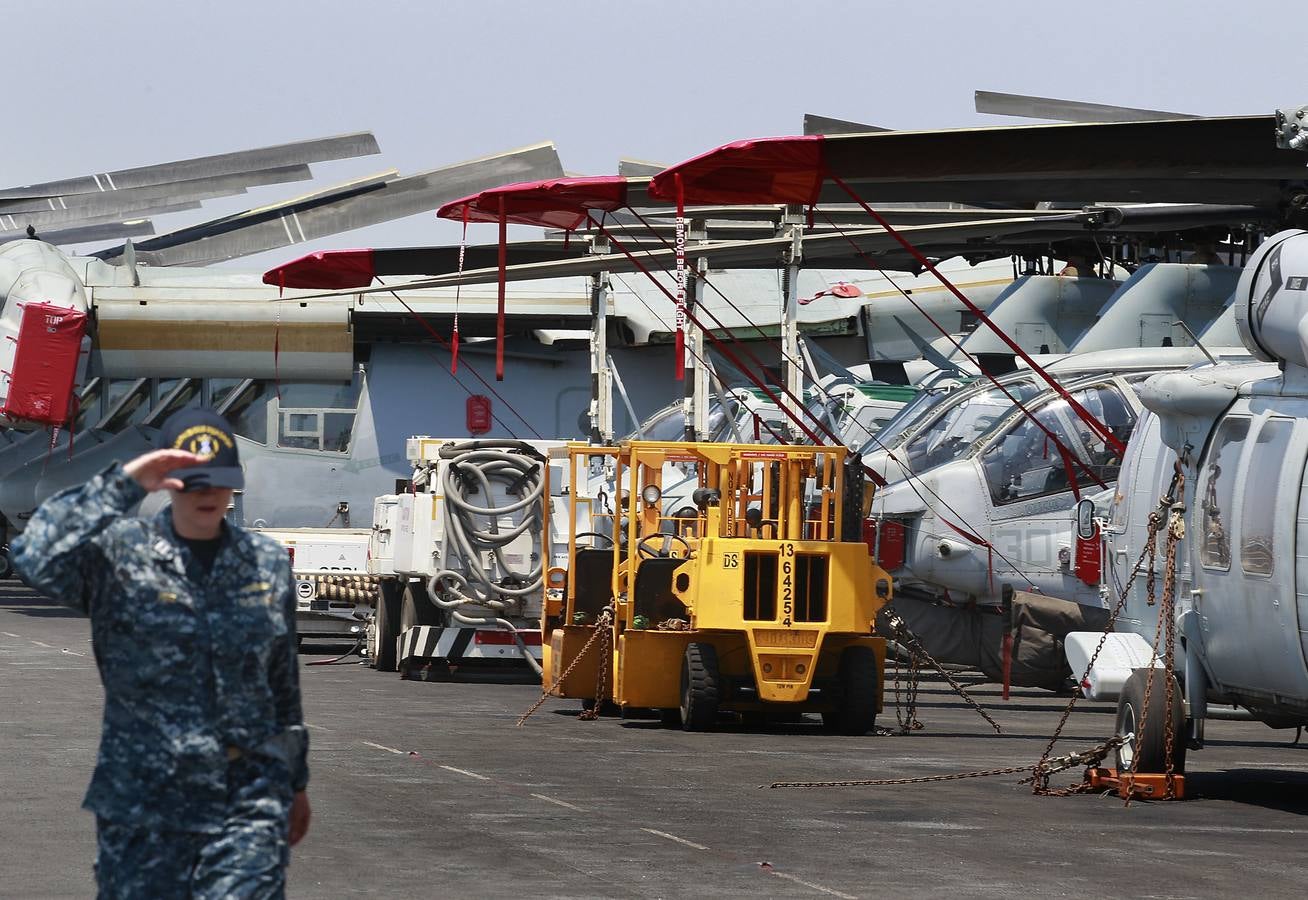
point(199, 514)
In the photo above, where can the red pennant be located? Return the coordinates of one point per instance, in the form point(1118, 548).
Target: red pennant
point(499, 314)
point(680, 370)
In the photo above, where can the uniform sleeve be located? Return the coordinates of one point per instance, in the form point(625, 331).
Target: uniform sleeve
point(285, 680)
point(56, 554)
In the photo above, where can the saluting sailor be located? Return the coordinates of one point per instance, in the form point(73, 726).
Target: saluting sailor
point(199, 788)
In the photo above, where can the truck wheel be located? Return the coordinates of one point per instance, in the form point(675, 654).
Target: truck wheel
point(856, 701)
point(1151, 744)
point(387, 625)
point(417, 608)
point(700, 688)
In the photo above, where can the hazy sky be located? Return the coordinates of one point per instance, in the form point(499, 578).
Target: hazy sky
point(95, 86)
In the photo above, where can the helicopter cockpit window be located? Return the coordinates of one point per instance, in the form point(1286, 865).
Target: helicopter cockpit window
point(1025, 463)
point(908, 415)
point(1258, 513)
point(955, 433)
point(1217, 490)
point(666, 425)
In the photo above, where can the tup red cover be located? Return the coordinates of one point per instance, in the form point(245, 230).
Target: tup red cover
point(45, 364)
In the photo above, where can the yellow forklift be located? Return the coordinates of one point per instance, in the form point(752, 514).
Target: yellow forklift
point(758, 596)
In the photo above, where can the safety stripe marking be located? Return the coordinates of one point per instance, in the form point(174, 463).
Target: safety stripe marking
point(109, 178)
point(295, 217)
point(558, 802)
point(384, 747)
point(465, 772)
point(98, 185)
point(808, 884)
point(287, 225)
point(71, 652)
point(9, 634)
point(39, 644)
point(673, 837)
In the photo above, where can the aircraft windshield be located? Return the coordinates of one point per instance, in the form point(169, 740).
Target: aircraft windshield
point(962, 425)
point(1024, 463)
point(909, 414)
point(668, 424)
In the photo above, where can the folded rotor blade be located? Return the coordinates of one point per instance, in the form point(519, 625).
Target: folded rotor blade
point(1066, 110)
point(277, 156)
point(85, 234)
point(137, 200)
point(814, 124)
point(857, 248)
point(629, 168)
point(357, 205)
point(67, 218)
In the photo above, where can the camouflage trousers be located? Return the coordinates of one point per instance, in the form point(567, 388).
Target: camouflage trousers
point(245, 861)
point(245, 858)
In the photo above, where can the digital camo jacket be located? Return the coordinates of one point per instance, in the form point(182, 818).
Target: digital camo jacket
point(192, 664)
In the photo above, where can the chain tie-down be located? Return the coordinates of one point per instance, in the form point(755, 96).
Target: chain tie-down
point(602, 631)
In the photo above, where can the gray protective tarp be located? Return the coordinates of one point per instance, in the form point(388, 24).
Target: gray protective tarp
point(974, 637)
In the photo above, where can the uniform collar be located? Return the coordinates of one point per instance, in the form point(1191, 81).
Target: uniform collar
point(169, 542)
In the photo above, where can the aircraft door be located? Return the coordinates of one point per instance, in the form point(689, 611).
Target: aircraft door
point(1031, 499)
point(1249, 520)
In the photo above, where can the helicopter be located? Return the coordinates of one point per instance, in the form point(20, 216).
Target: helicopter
point(1227, 444)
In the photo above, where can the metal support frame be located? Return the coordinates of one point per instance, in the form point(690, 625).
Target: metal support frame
point(695, 405)
point(601, 378)
point(792, 226)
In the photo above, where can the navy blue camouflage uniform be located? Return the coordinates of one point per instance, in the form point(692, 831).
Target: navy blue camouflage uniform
point(203, 741)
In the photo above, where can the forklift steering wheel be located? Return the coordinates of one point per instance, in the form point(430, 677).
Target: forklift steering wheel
point(595, 534)
point(647, 551)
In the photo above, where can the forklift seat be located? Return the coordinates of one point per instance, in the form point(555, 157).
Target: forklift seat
point(594, 582)
point(653, 590)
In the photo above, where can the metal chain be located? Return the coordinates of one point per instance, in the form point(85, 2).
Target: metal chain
point(1040, 785)
point(601, 675)
point(908, 639)
point(906, 708)
point(1166, 633)
point(1048, 767)
point(602, 627)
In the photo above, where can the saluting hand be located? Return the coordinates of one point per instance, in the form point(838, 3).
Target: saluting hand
point(151, 469)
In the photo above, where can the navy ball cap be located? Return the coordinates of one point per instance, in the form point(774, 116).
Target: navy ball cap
point(207, 434)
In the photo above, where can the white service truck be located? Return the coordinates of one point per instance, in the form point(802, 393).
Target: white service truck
point(460, 558)
point(334, 593)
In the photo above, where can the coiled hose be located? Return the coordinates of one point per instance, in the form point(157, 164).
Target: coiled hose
point(474, 597)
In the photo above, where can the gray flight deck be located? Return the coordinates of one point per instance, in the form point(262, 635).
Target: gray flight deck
point(428, 789)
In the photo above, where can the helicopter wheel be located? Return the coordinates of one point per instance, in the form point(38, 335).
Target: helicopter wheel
point(1151, 744)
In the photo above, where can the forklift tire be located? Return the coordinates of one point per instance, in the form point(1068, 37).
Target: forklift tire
point(700, 688)
point(856, 707)
point(417, 608)
point(387, 625)
point(1151, 745)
